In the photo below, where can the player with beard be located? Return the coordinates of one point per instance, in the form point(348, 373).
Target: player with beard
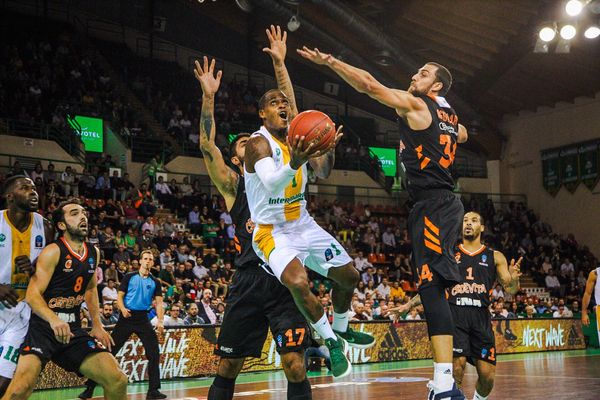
point(23, 235)
point(474, 339)
point(429, 131)
point(64, 278)
point(255, 301)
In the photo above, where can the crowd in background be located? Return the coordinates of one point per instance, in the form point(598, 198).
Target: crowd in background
point(194, 248)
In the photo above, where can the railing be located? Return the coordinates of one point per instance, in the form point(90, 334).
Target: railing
point(28, 162)
point(499, 199)
point(65, 138)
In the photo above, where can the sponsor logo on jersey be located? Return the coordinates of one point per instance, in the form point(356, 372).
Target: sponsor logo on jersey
point(465, 287)
point(328, 254)
point(91, 344)
point(457, 257)
point(279, 340)
point(68, 265)
point(227, 350)
point(2, 237)
point(39, 242)
point(66, 302)
point(92, 262)
point(286, 200)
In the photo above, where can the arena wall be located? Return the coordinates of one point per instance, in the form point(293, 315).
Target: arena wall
point(531, 132)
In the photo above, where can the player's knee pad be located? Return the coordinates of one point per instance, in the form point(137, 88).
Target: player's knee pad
point(437, 311)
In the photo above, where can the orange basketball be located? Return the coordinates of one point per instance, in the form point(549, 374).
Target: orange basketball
point(315, 126)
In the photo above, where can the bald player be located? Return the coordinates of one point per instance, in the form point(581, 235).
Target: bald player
point(23, 235)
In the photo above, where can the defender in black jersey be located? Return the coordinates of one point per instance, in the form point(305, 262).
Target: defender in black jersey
point(429, 135)
point(256, 301)
point(64, 278)
point(480, 267)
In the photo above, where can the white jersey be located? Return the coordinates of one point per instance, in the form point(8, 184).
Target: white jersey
point(13, 243)
point(276, 208)
point(597, 288)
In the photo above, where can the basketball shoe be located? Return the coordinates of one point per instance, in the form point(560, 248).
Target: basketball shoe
point(359, 340)
point(340, 365)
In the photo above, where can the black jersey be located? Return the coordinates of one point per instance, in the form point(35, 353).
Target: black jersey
point(66, 289)
point(240, 215)
point(428, 154)
point(478, 274)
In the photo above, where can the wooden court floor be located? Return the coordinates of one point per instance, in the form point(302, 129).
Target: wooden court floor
point(572, 375)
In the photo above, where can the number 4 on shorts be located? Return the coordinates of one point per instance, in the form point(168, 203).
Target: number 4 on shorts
point(425, 274)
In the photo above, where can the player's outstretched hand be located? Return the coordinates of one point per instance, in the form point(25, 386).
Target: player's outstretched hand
point(315, 55)
point(338, 136)
point(515, 268)
point(277, 47)
point(298, 154)
point(205, 74)
point(8, 296)
point(23, 264)
point(62, 331)
point(401, 309)
point(103, 337)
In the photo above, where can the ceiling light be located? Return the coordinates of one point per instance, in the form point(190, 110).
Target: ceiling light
point(568, 32)
point(293, 24)
point(592, 32)
point(547, 34)
point(574, 7)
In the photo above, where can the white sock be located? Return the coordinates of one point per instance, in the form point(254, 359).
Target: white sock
point(340, 322)
point(442, 377)
point(323, 328)
point(477, 396)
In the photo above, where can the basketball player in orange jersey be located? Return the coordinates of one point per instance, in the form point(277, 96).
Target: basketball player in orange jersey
point(23, 235)
point(286, 237)
point(474, 339)
point(65, 277)
point(430, 132)
point(256, 300)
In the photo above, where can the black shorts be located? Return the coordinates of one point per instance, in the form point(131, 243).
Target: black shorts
point(473, 334)
point(40, 341)
point(257, 301)
point(434, 225)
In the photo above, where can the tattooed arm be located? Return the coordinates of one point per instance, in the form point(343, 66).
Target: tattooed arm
point(224, 178)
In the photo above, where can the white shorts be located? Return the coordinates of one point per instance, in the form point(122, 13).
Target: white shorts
point(304, 239)
point(13, 328)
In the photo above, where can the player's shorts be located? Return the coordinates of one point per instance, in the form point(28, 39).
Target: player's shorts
point(13, 329)
point(304, 239)
point(257, 301)
point(40, 341)
point(473, 334)
point(434, 225)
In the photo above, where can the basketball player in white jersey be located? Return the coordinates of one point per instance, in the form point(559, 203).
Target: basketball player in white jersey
point(286, 237)
point(592, 285)
point(23, 235)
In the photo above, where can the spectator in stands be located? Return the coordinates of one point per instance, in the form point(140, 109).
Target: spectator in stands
point(194, 221)
point(358, 312)
point(37, 172)
point(172, 318)
point(552, 283)
point(109, 293)
point(163, 193)
point(166, 277)
point(122, 255)
point(384, 288)
point(389, 241)
point(567, 267)
point(396, 292)
point(413, 315)
point(51, 175)
point(497, 292)
point(107, 317)
point(361, 263)
point(205, 310)
point(192, 317)
point(69, 183)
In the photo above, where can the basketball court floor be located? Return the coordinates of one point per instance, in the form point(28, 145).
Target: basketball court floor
point(573, 375)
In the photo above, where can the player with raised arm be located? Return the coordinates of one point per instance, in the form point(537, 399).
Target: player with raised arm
point(591, 286)
point(474, 340)
point(286, 237)
point(430, 132)
point(256, 300)
point(23, 235)
point(64, 278)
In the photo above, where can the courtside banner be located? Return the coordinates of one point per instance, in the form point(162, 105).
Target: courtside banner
point(188, 352)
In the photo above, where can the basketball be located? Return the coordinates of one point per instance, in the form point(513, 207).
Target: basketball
point(316, 126)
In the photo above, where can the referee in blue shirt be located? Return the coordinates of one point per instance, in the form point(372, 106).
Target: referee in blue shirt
point(135, 296)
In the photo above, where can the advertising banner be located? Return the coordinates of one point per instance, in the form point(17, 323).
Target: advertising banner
point(589, 170)
point(387, 159)
point(188, 352)
point(91, 131)
point(551, 171)
point(569, 167)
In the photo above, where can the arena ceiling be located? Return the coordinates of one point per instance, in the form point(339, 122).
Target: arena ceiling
point(487, 44)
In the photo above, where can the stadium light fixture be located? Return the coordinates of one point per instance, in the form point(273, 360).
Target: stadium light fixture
point(547, 33)
point(568, 32)
point(574, 7)
point(592, 32)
